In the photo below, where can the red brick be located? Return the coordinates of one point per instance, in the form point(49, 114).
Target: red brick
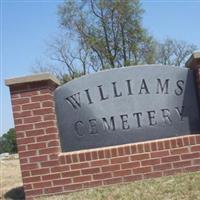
point(79, 165)
point(29, 166)
point(147, 147)
point(53, 190)
point(153, 175)
point(88, 156)
point(64, 168)
point(133, 149)
point(15, 96)
point(32, 119)
point(99, 162)
point(20, 134)
point(182, 164)
point(140, 156)
point(196, 162)
point(140, 148)
point(92, 184)
point(20, 101)
point(49, 150)
point(159, 154)
point(16, 108)
point(111, 168)
point(132, 178)
point(130, 165)
point(114, 152)
point(101, 176)
point(119, 160)
point(42, 184)
point(49, 117)
point(21, 147)
point(34, 192)
point(40, 171)
point(82, 157)
point(198, 139)
point(25, 140)
point(25, 173)
point(43, 111)
point(107, 153)
point(18, 121)
point(36, 146)
point(100, 154)
point(160, 145)
point(31, 106)
point(150, 162)
point(172, 172)
point(127, 150)
point(170, 159)
point(44, 124)
point(94, 155)
point(32, 179)
point(166, 144)
point(192, 140)
point(154, 146)
point(53, 144)
point(34, 132)
point(62, 182)
point(162, 167)
point(121, 151)
point(140, 170)
point(74, 158)
point(179, 151)
point(45, 91)
point(192, 169)
point(186, 141)
point(28, 93)
point(47, 104)
point(68, 159)
point(24, 127)
point(23, 161)
point(27, 187)
point(27, 154)
point(195, 148)
point(45, 97)
point(122, 173)
point(81, 179)
point(49, 163)
point(72, 187)
point(112, 181)
point(47, 137)
point(179, 142)
point(90, 171)
point(71, 173)
point(51, 130)
point(190, 155)
point(173, 143)
point(38, 158)
point(51, 177)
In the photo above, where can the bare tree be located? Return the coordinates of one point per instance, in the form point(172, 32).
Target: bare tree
point(174, 52)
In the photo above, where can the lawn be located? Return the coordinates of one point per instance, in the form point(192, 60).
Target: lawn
point(179, 187)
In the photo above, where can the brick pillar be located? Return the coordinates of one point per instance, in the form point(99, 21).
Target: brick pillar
point(36, 130)
point(194, 64)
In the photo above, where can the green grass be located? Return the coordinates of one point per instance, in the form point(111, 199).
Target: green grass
point(180, 187)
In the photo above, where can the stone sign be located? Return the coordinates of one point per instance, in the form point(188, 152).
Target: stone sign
point(126, 105)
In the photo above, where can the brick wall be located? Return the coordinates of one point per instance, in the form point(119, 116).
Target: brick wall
point(46, 170)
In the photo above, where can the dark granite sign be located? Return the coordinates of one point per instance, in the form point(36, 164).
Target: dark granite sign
point(126, 105)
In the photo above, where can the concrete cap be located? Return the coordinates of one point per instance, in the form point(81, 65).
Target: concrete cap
point(194, 60)
point(32, 78)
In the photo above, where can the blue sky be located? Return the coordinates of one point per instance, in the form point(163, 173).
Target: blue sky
point(26, 25)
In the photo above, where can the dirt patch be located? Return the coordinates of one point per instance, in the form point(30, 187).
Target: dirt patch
point(10, 179)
